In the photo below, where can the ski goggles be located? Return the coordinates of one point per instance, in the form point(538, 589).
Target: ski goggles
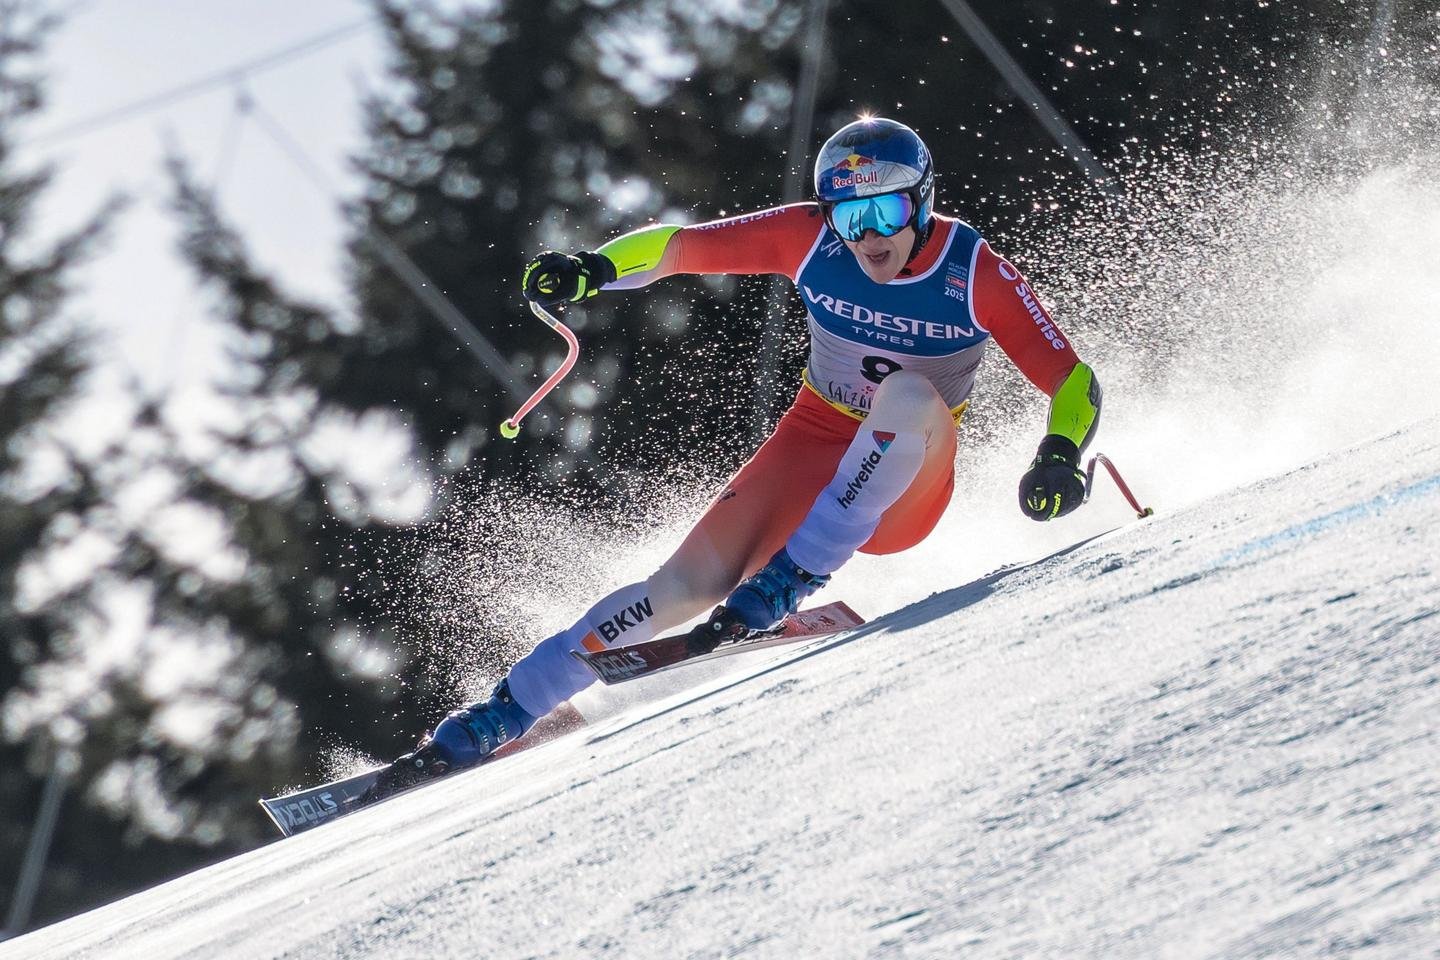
point(887, 215)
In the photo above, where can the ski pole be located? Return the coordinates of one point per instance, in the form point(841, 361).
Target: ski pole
point(1140, 512)
point(510, 427)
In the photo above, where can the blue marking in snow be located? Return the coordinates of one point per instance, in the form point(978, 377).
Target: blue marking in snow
point(1370, 508)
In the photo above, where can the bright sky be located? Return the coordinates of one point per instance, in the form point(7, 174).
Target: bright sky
point(112, 53)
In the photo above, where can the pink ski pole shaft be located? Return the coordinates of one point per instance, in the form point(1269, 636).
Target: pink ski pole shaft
point(510, 427)
point(1140, 512)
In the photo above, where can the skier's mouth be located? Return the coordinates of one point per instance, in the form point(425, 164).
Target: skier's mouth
point(877, 259)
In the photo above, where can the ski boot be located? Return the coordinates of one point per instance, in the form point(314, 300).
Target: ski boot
point(463, 739)
point(472, 733)
point(764, 599)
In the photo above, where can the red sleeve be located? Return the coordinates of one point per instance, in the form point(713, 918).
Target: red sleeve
point(769, 241)
point(1007, 307)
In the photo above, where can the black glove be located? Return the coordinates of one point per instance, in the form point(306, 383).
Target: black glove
point(1054, 485)
point(553, 278)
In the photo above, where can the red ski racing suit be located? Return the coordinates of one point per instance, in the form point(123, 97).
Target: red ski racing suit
point(922, 336)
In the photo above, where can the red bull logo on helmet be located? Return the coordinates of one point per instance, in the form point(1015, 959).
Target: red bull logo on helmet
point(849, 172)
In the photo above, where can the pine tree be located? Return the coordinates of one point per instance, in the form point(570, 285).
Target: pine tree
point(44, 358)
point(292, 477)
point(527, 126)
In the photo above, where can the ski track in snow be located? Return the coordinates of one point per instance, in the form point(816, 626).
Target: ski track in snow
point(1208, 735)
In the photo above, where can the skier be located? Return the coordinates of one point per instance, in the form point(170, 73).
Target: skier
point(901, 301)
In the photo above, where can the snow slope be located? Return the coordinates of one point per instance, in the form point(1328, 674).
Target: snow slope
point(1210, 734)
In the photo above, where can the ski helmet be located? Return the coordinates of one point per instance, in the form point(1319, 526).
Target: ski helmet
point(871, 158)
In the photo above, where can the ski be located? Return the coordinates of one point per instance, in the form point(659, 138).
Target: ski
point(620, 664)
point(311, 807)
point(306, 809)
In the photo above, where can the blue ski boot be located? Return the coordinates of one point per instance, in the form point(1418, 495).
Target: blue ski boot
point(472, 733)
point(463, 739)
point(772, 593)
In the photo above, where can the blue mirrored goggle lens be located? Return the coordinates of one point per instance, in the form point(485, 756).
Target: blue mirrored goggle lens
point(886, 214)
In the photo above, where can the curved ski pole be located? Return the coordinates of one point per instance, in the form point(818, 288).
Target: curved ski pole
point(510, 427)
point(1140, 512)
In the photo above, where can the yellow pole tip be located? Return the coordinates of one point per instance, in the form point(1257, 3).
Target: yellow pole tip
point(509, 429)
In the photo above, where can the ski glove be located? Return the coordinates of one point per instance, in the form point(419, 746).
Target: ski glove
point(552, 278)
point(1054, 485)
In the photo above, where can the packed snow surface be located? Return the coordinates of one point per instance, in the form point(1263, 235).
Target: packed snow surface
point(1208, 734)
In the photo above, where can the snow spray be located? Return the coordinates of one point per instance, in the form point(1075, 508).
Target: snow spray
point(1247, 310)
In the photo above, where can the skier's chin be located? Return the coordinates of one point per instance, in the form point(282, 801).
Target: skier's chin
point(881, 266)
point(882, 258)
